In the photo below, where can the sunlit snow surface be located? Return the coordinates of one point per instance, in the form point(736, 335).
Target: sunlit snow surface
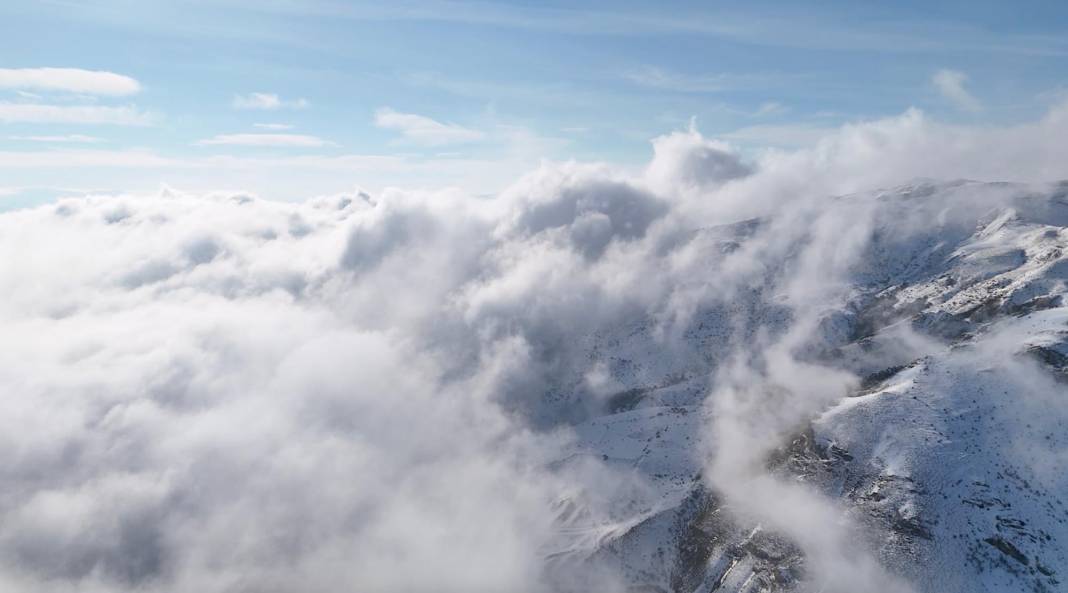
point(951, 452)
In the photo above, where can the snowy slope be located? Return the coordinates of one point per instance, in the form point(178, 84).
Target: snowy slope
point(949, 452)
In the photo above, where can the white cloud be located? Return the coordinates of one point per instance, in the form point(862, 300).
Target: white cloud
point(68, 138)
point(423, 130)
point(273, 126)
point(770, 108)
point(267, 102)
point(950, 84)
point(60, 159)
point(73, 114)
point(71, 80)
point(687, 160)
point(219, 389)
point(281, 177)
point(294, 140)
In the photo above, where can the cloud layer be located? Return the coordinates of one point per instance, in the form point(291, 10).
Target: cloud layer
point(217, 392)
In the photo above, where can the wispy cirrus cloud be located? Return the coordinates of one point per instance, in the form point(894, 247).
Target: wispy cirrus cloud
point(66, 138)
point(787, 28)
point(267, 102)
point(292, 140)
point(47, 159)
point(660, 79)
point(664, 80)
point(423, 130)
point(770, 108)
point(273, 126)
point(71, 80)
point(73, 114)
point(950, 84)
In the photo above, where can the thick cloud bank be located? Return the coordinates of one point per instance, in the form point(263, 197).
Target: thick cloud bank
point(375, 392)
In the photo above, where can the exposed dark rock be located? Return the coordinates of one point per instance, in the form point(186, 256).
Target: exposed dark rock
point(1006, 547)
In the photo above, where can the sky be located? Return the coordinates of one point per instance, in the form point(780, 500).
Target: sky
point(289, 100)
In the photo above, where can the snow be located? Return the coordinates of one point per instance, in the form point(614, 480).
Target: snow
point(955, 460)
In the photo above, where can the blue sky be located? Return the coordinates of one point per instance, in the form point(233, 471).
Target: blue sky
point(290, 98)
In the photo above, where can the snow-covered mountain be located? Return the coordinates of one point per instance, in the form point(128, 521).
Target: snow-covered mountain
point(946, 458)
point(683, 382)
